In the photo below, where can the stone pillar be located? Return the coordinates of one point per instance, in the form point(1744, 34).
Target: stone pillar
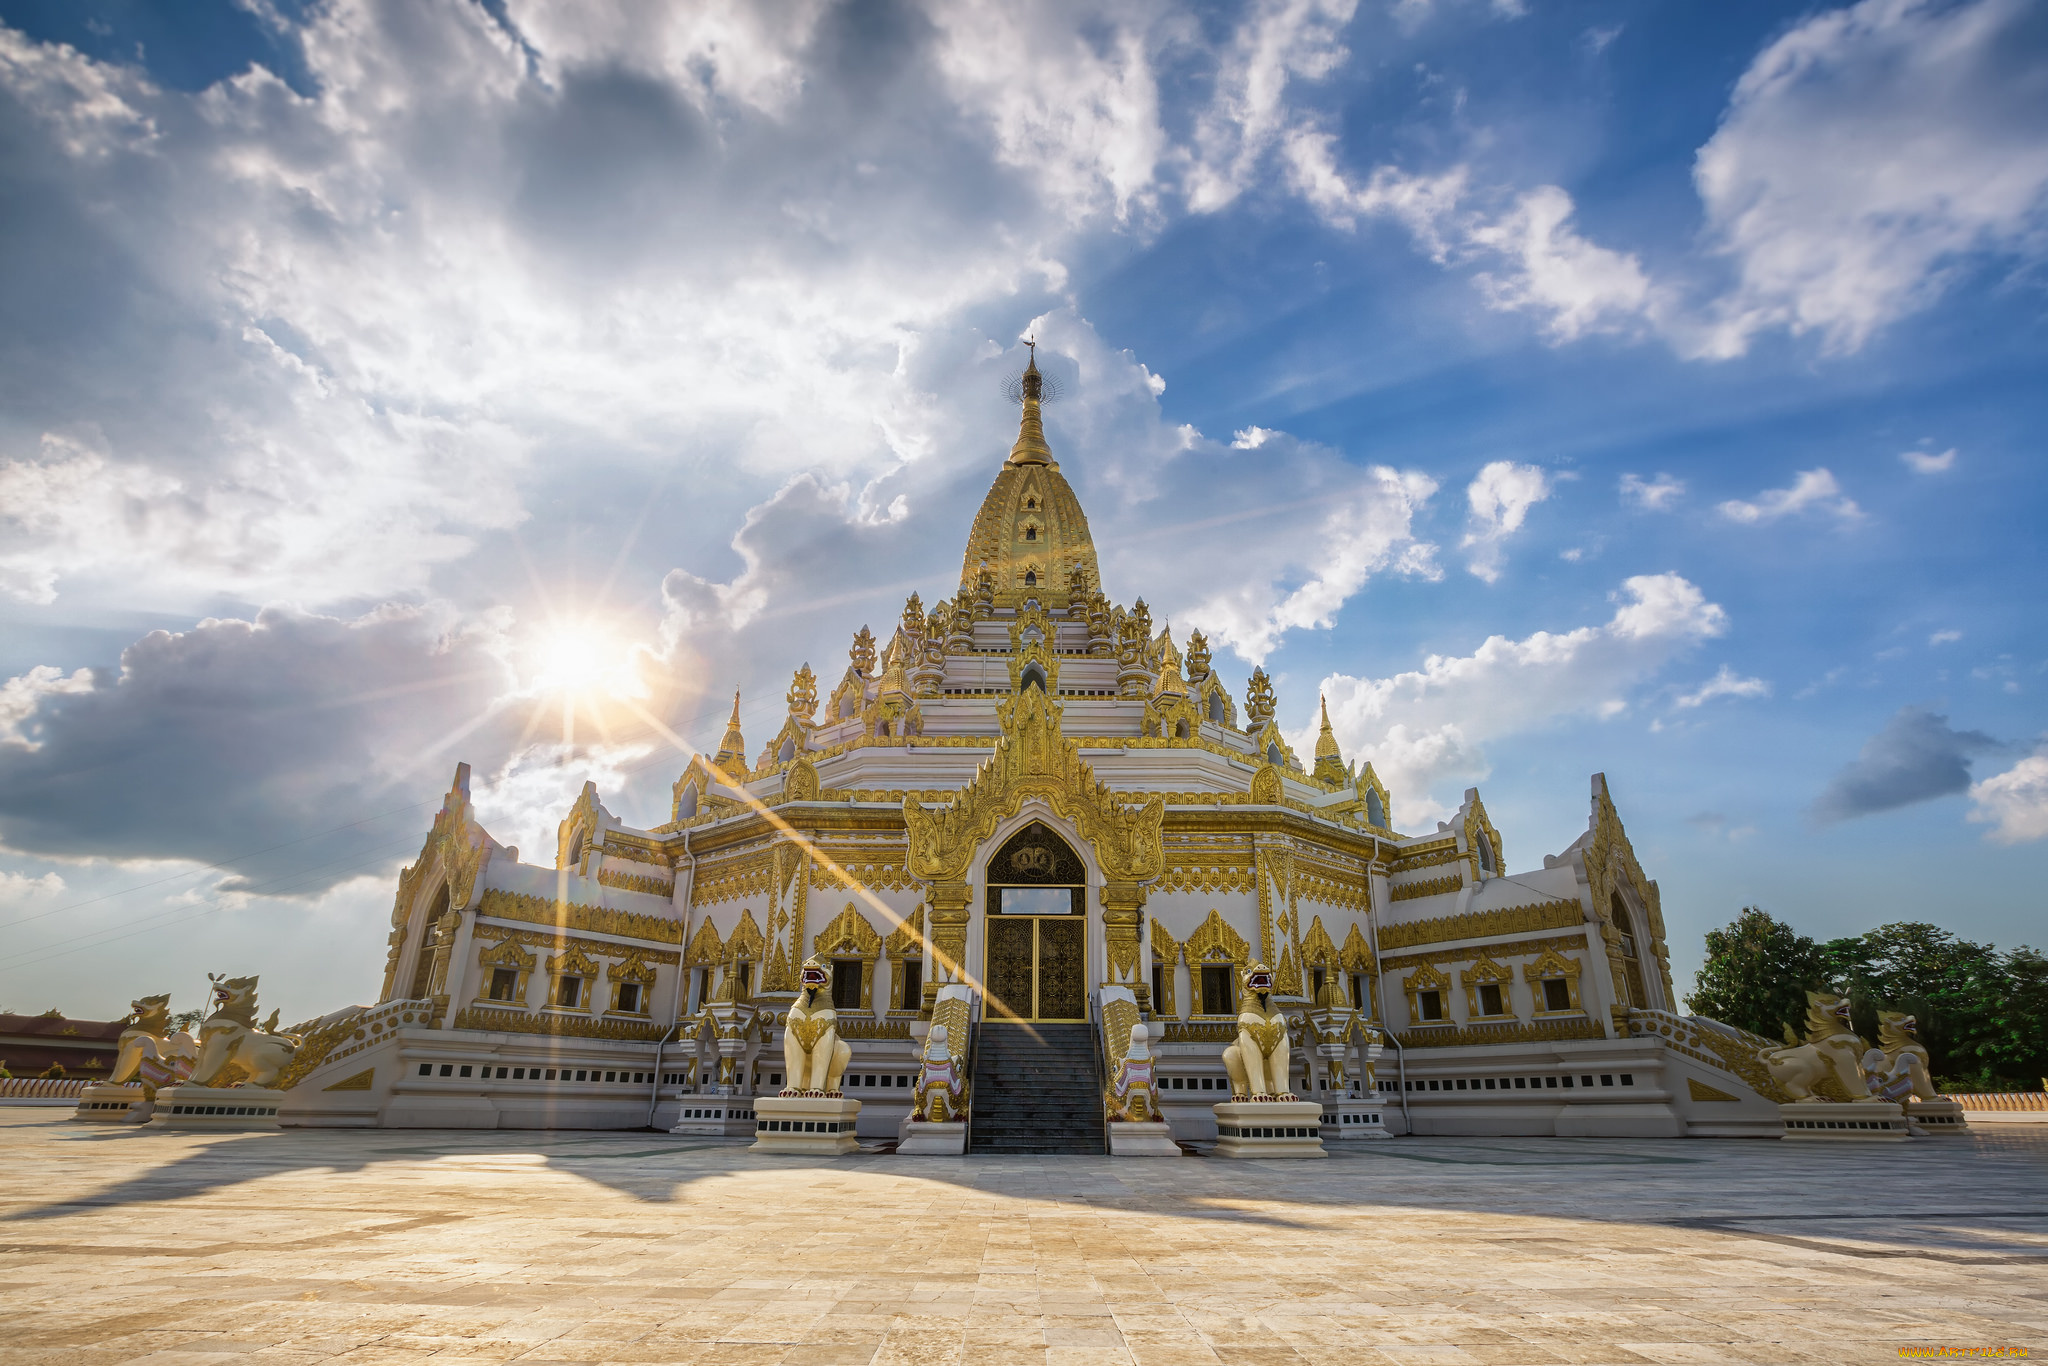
point(948, 902)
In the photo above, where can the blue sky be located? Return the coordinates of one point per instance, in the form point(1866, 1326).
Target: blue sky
point(1647, 389)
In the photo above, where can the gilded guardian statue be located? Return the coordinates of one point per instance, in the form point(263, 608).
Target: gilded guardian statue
point(1258, 1061)
point(813, 1054)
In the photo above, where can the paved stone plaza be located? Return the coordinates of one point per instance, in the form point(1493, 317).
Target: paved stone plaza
point(384, 1246)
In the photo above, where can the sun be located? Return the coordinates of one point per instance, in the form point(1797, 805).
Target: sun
point(580, 659)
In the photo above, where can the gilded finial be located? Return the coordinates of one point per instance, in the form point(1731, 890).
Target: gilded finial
point(1329, 771)
point(732, 751)
point(1031, 392)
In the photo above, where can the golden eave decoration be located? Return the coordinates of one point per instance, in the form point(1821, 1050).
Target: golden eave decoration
point(1033, 759)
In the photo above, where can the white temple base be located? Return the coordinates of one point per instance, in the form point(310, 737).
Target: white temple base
point(1937, 1117)
point(1867, 1121)
point(1272, 1128)
point(1348, 1119)
point(107, 1103)
point(922, 1138)
point(1153, 1138)
point(716, 1117)
point(216, 1107)
point(818, 1126)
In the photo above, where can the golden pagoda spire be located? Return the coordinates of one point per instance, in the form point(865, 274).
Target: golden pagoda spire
point(1031, 448)
point(732, 751)
point(1329, 759)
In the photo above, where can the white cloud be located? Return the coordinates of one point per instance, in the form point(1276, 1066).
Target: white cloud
point(1725, 683)
point(1279, 41)
point(1653, 495)
point(17, 888)
point(1426, 729)
point(1814, 489)
point(1944, 637)
point(1575, 285)
point(1869, 153)
point(1250, 438)
point(1929, 462)
point(2014, 803)
point(1500, 499)
point(22, 695)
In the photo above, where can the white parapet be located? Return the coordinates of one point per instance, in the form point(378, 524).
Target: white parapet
point(1862, 1121)
point(105, 1103)
point(1153, 1138)
point(814, 1125)
point(921, 1138)
point(216, 1107)
point(1269, 1128)
point(1349, 1119)
point(715, 1117)
point(1942, 1116)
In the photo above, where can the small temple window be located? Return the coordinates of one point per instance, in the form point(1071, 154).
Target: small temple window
point(1375, 810)
point(1489, 999)
point(1273, 755)
point(629, 997)
point(1486, 862)
point(686, 805)
point(504, 983)
point(576, 849)
point(788, 750)
point(1030, 533)
point(1219, 996)
point(1431, 1004)
point(1316, 978)
point(1030, 502)
point(742, 976)
point(1361, 997)
point(1032, 677)
point(569, 992)
point(1557, 994)
point(910, 994)
point(1031, 578)
point(1180, 730)
point(697, 976)
point(846, 984)
point(1216, 712)
point(1158, 984)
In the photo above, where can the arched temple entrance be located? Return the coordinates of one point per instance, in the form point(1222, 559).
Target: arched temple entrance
point(1035, 930)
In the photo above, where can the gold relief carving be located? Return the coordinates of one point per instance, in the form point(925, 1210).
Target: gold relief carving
point(1357, 955)
point(800, 784)
point(1699, 1090)
point(1514, 949)
point(1536, 915)
point(1484, 971)
point(948, 902)
point(1318, 950)
point(706, 948)
point(315, 1048)
point(1345, 892)
point(853, 1027)
point(628, 882)
point(746, 940)
point(887, 877)
point(1551, 964)
point(1520, 1031)
point(598, 947)
point(1166, 951)
point(1734, 1051)
point(906, 941)
point(1034, 759)
point(567, 1026)
point(849, 935)
point(1610, 864)
point(1431, 855)
point(1199, 1031)
point(619, 845)
point(634, 967)
point(568, 915)
point(1436, 886)
point(1121, 905)
point(1266, 788)
point(1213, 941)
point(365, 1079)
point(572, 961)
point(733, 878)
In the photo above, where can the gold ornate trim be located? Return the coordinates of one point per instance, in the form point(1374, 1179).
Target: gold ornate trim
point(568, 915)
point(624, 1031)
point(1538, 915)
point(1441, 957)
point(1436, 886)
point(631, 882)
point(1465, 1036)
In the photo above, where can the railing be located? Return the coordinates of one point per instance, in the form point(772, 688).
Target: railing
point(2035, 1101)
point(43, 1088)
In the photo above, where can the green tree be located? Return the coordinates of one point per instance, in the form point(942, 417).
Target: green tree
point(1952, 987)
point(1757, 974)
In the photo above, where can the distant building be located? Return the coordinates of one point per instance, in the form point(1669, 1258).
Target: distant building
point(86, 1048)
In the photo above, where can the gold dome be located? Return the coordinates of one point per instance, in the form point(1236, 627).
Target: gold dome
point(1030, 532)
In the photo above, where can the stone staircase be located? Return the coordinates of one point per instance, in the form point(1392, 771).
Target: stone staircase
point(1036, 1094)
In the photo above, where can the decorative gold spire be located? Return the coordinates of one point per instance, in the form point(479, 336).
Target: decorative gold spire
point(1329, 759)
point(1031, 448)
point(732, 751)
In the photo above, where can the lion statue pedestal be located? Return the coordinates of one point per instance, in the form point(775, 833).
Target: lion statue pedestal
point(813, 1125)
point(216, 1107)
point(114, 1103)
point(1262, 1118)
point(1863, 1121)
